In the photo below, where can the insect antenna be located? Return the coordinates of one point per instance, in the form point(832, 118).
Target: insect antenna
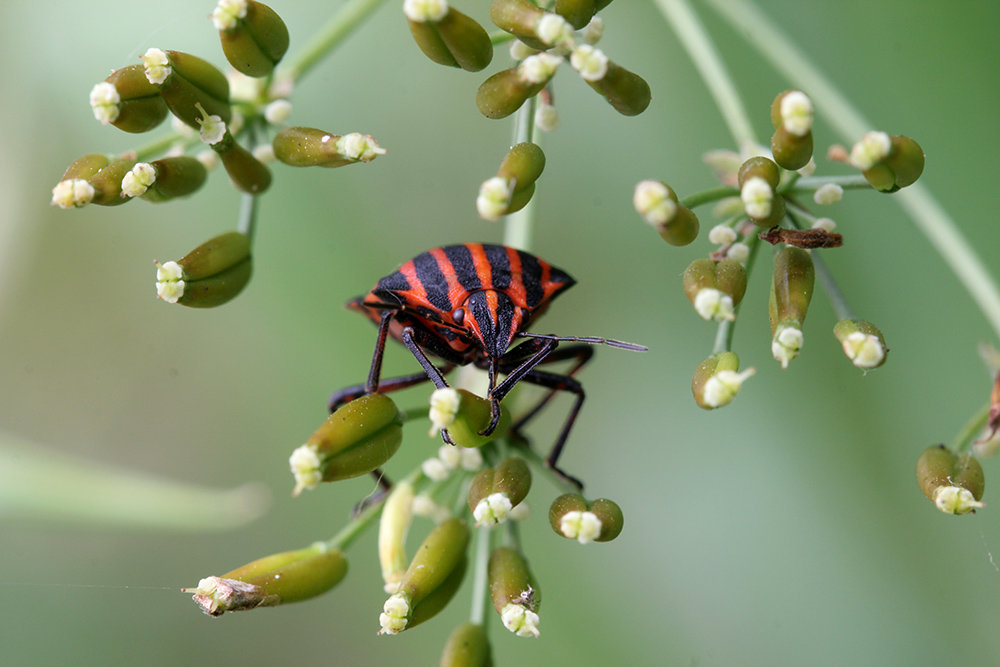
point(588, 339)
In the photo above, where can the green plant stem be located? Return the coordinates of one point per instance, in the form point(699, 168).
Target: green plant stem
point(518, 226)
point(813, 183)
point(707, 61)
point(727, 328)
point(350, 532)
point(963, 439)
point(925, 211)
point(329, 37)
point(157, 147)
point(837, 299)
point(480, 584)
point(709, 196)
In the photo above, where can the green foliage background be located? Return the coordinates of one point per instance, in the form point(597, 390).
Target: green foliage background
point(785, 529)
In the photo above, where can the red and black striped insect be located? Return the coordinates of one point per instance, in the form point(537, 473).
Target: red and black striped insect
point(465, 304)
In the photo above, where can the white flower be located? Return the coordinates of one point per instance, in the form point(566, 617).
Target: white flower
point(864, 350)
point(395, 614)
point(583, 527)
point(304, 461)
point(722, 387)
point(278, 111)
point(593, 31)
point(213, 128)
point(227, 13)
point(519, 50)
point(738, 252)
point(494, 197)
point(796, 111)
point(72, 193)
point(157, 66)
point(538, 68)
point(722, 235)
point(421, 11)
point(786, 344)
point(104, 101)
point(831, 193)
point(712, 304)
point(652, 201)
point(435, 469)
point(590, 62)
point(546, 117)
point(519, 620)
point(872, 149)
point(757, 196)
point(826, 224)
point(492, 509)
point(138, 180)
point(360, 147)
point(444, 406)
point(264, 153)
point(553, 29)
point(955, 500)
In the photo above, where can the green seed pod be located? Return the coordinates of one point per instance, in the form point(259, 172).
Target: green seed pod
point(215, 256)
point(792, 285)
point(442, 551)
point(86, 166)
point(439, 598)
point(953, 482)
point(626, 91)
point(467, 646)
point(208, 276)
point(716, 381)
point(278, 579)
point(309, 147)
point(247, 173)
point(906, 159)
point(514, 591)
point(73, 190)
point(572, 517)
point(715, 288)
point(465, 416)
point(577, 12)
point(519, 199)
point(454, 40)
point(185, 82)
point(791, 151)
point(523, 164)
point(255, 42)
point(863, 343)
point(496, 491)
point(164, 179)
point(761, 167)
point(503, 93)
point(520, 18)
point(127, 100)
point(107, 182)
point(359, 437)
point(682, 229)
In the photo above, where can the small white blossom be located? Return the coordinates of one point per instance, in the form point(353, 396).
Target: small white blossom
point(278, 111)
point(444, 406)
point(864, 350)
point(494, 198)
point(738, 252)
point(435, 469)
point(712, 304)
point(213, 128)
point(227, 13)
point(519, 620)
point(590, 62)
point(786, 344)
point(360, 147)
point(156, 65)
point(872, 149)
point(72, 193)
point(583, 527)
point(722, 387)
point(304, 461)
point(138, 180)
point(796, 111)
point(652, 201)
point(424, 505)
point(104, 101)
point(553, 29)
point(956, 500)
point(546, 117)
point(722, 235)
point(538, 68)
point(395, 614)
point(264, 153)
point(472, 458)
point(421, 11)
point(757, 197)
point(831, 193)
point(492, 509)
point(519, 50)
point(450, 455)
point(208, 158)
point(826, 224)
point(593, 31)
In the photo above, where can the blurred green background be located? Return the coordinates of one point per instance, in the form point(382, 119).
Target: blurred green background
point(784, 530)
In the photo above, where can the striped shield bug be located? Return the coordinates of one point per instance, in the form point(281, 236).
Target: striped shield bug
point(465, 304)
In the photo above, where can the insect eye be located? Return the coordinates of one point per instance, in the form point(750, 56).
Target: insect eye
point(458, 315)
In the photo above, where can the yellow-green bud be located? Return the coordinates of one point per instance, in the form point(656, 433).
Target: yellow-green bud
point(863, 343)
point(74, 190)
point(715, 288)
point(208, 276)
point(496, 491)
point(953, 482)
point(760, 167)
point(273, 580)
point(762, 204)
point(572, 517)
point(255, 41)
point(791, 292)
point(107, 182)
point(247, 173)
point(185, 82)
point(626, 91)
point(309, 147)
point(791, 151)
point(514, 591)
point(717, 380)
point(164, 179)
point(888, 162)
point(454, 39)
point(531, 24)
point(465, 416)
point(127, 100)
point(503, 93)
point(467, 646)
point(359, 437)
point(512, 187)
point(577, 12)
point(440, 554)
point(397, 515)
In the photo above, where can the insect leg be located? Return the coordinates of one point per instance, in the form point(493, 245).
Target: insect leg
point(558, 382)
point(580, 354)
point(348, 394)
point(376, 368)
point(432, 371)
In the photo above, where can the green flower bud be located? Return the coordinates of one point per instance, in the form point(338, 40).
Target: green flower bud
point(657, 203)
point(715, 288)
point(888, 162)
point(514, 183)
point(208, 276)
point(791, 291)
point(791, 151)
point(503, 93)
point(438, 599)
point(74, 189)
point(760, 167)
point(450, 38)
point(107, 182)
point(359, 437)
point(626, 91)
point(309, 147)
point(572, 517)
point(514, 591)
point(906, 159)
point(164, 179)
point(863, 343)
point(465, 416)
point(577, 12)
point(496, 491)
point(247, 173)
point(716, 381)
point(467, 646)
point(397, 515)
point(273, 580)
point(185, 82)
point(127, 100)
point(254, 38)
point(953, 482)
point(534, 26)
point(761, 202)
point(442, 551)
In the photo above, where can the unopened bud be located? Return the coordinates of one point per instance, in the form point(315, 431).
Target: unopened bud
point(863, 343)
point(715, 288)
point(717, 380)
point(467, 646)
point(309, 147)
point(253, 36)
point(447, 36)
point(465, 416)
point(164, 179)
point(953, 482)
point(208, 276)
point(496, 491)
point(514, 591)
point(572, 517)
point(127, 100)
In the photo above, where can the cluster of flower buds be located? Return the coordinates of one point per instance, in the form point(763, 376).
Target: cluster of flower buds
point(953, 482)
point(511, 189)
point(208, 276)
point(761, 201)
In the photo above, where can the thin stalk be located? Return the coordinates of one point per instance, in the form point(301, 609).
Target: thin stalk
point(707, 61)
point(335, 31)
point(813, 183)
point(837, 299)
point(480, 594)
point(343, 539)
point(727, 328)
point(708, 196)
point(976, 423)
point(517, 230)
point(925, 211)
